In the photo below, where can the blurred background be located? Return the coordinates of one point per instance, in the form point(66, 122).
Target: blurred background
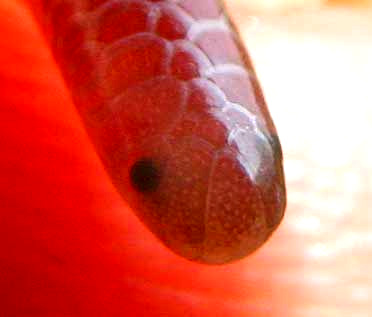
point(314, 60)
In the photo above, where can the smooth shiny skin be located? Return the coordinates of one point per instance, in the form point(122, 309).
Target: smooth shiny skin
point(171, 102)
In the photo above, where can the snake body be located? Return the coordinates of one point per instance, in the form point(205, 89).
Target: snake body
point(173, 106)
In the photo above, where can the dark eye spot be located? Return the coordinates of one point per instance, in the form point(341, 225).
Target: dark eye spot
point(145, 175)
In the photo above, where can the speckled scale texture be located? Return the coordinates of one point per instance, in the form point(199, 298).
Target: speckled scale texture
point(169, 81)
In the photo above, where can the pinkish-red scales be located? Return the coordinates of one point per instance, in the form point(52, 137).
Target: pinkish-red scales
point(173, 106)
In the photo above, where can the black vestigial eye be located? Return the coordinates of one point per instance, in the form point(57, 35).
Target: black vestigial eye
point(145, 175)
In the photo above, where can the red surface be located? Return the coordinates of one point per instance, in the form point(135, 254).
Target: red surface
point(69, 245)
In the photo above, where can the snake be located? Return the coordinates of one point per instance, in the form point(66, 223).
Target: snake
point(172, 104)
